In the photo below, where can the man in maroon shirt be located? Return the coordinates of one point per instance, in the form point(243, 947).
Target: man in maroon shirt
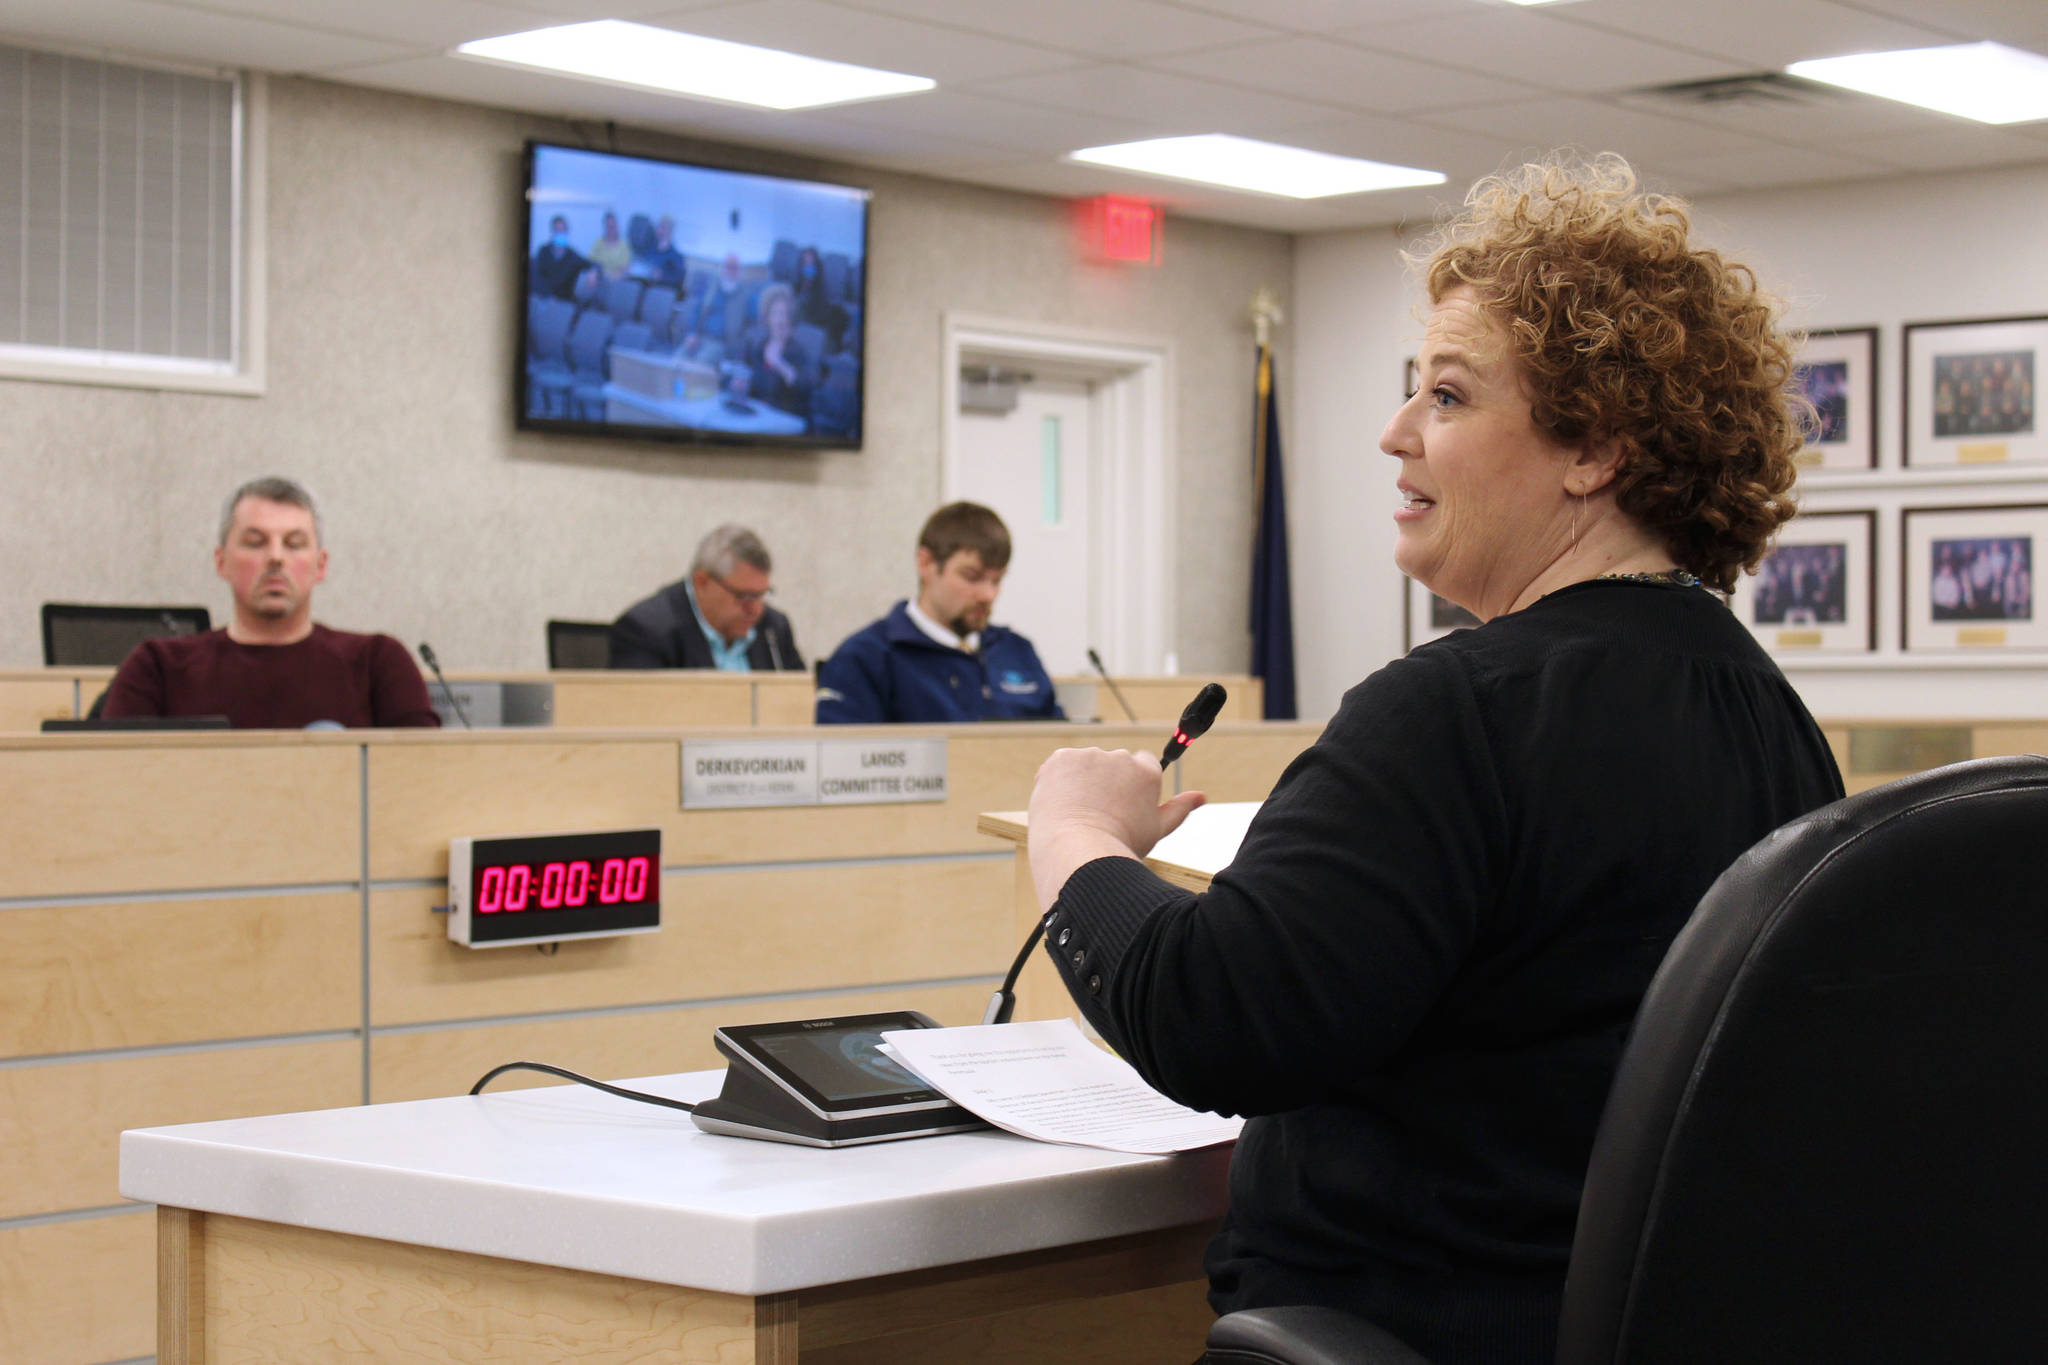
point(271, 667)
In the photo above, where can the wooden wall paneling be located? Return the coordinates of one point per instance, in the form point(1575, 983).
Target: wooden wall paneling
point(26, 702)
point(753, 931)
point(277, 1293)
point(988, 768)
point(427, 1063)
point(1242, 762)
point(103, 819)
point(60, 1123)
point(784, 699)
point(2000, 739)
point(424, 794)
point(692, 699)
point(1159, 701)
point(76, 978)
point(80, 1290)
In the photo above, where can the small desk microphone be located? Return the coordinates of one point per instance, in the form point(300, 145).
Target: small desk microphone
point(427, 653)
point(1194, 723)
point(1129, 714)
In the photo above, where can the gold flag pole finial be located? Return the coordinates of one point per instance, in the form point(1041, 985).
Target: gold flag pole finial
point(1266, 315)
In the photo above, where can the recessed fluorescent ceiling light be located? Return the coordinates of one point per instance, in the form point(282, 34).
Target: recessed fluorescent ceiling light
point(1240, 163)
point(1988, 82)
point(620, 53)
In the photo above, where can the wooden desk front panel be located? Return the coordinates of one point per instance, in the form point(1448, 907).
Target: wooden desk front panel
point(754, 931)
point(110, 819)
point(424, 794)
point(77, 1291)
point(417, 1064)
point(123, 974)
point(60, 1124)
point(645, 701)
point(26, 702)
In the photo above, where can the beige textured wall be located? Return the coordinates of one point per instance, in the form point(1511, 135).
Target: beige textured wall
point(392, 288)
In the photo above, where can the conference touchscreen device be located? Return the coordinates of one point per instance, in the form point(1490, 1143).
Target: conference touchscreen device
point(823, 1083)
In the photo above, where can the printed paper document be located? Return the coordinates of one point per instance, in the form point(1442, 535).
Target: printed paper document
point(1044, 1080)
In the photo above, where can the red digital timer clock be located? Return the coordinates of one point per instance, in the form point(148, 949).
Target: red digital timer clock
point(541, 888)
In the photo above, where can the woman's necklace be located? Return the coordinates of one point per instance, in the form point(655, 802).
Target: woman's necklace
point(1678, 577)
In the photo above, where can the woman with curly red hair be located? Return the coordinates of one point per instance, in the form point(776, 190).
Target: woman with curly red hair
point(1417, 976)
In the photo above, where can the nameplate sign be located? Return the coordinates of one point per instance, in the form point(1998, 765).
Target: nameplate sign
point(862, 772)
point(720, 774)
point(730, 774)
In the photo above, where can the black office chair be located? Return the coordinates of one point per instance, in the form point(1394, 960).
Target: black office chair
point(1828, 1137)
point(77, 634)
point(579, 644)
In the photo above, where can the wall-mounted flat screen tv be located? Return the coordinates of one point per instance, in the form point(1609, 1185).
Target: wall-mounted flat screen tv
point(691, 303)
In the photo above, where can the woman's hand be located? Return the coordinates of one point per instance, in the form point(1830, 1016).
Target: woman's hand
point(1092, 803)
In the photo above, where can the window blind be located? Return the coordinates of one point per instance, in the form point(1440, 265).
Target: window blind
point(119, 196)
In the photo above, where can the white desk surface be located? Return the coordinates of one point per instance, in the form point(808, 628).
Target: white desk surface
point(569, 1176)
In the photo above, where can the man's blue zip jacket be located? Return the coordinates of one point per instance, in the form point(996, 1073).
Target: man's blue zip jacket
point(892, 671)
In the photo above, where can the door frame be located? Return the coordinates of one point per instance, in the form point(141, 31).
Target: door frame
point(1131, 381)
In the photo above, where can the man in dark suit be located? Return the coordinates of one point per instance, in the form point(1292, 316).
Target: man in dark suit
point(717, 617)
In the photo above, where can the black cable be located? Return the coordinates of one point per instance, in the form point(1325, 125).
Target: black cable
point(620, 1091)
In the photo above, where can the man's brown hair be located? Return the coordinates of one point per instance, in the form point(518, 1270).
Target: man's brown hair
point(966, 526)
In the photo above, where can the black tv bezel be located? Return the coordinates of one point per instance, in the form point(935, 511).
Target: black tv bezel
point(683, 436)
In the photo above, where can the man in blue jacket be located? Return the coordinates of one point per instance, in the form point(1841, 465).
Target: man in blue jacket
point(938, 659)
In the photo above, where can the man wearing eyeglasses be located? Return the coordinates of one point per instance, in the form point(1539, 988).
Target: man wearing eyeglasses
point(717, 617)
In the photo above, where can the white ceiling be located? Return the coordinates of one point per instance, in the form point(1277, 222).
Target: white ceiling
point(1453, 85)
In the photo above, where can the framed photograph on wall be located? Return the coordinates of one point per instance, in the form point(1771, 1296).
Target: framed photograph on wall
point(1970, 577)
point(1428, 617)
point(1837, 371)
point(1816, 592)
point(1972, 392)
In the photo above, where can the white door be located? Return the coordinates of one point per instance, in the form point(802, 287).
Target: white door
point(1035, 466)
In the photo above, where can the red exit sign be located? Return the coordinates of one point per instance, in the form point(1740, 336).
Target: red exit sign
point(1114, 228)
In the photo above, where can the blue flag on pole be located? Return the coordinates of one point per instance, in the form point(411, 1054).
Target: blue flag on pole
point(1272, 600)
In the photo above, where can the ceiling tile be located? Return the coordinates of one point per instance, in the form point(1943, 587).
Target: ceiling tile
point(1161, 98)
point(2023, 23)
point(1959, 148)
point(1593, 126)
point(1540, 48)
point(1343, 74)
point(437, 24)
point(1119, 28)
point(1000, 123)
point(1317, 16)
point(1819, 119)
point(1758, 167)
point(574, 11)
point(1764, 35)
point(170, 31)
point(818, 29)
point(1461, 156)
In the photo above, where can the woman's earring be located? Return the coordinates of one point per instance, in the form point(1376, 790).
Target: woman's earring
point(1577, 508)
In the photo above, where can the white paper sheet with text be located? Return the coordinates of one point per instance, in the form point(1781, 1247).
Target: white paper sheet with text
point(1044, 1080)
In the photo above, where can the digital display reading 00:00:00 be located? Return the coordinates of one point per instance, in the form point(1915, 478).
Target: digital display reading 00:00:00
point(540, 888)
point(562, 885)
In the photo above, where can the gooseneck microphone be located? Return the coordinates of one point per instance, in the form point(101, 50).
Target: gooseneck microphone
point(1129, 714)
point(1194, 723)
point(427, 653)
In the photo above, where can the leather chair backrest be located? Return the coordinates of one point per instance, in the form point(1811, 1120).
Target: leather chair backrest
point(1828, 1138)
